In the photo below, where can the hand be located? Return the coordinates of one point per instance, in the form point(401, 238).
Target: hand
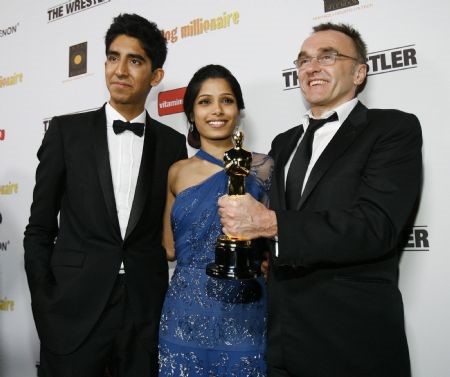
point(244, 217)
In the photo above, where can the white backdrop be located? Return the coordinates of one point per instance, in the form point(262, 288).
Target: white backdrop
point(409, 56)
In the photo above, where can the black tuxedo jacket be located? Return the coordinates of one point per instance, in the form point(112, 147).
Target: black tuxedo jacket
point(72, 266)
point(335, 309)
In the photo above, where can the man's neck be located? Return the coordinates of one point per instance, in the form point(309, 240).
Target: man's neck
point(129, 112)
point(319, 111)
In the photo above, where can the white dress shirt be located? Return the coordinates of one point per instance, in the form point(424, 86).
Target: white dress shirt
point(321, 139)
point(125, 154)
point(322, 136)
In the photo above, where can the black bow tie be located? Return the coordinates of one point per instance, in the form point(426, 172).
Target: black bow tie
point(119, 126)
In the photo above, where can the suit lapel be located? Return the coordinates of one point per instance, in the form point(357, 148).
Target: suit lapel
point(144, 177)
point(100, 141)
point(343, 138)
point(287, 145)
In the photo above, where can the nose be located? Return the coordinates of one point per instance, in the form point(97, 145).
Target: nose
point(122, 68)
point(313, 65)
point(218, 109)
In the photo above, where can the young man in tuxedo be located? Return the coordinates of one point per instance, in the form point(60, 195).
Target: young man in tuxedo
point(98, 276)
point(340, 198)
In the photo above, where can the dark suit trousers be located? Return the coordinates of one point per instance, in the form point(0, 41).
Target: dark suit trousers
point(112, 348)
point(277, 372)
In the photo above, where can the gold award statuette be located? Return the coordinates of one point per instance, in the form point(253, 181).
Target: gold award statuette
point(235, 257)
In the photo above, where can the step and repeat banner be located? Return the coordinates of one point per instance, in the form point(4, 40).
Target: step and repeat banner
point(52, 62)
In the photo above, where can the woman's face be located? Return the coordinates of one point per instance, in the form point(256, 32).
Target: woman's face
point(215, 111)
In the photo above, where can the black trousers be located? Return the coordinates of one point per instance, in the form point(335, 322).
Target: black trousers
point(112, 348)
point(273, 371)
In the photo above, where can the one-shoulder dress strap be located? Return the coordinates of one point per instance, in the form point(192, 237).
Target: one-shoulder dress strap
point(206, 156)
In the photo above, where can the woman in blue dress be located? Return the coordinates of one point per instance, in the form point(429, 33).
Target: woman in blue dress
point(209, 327)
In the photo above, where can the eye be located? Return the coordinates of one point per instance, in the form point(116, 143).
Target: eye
point(228, 100)
point(204, 101)
point(326, 58)
point(135, 61)
point(111, 58)
point(301, 62)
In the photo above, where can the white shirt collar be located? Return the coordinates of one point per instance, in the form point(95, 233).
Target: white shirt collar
point(343, 111)
point(112, 114)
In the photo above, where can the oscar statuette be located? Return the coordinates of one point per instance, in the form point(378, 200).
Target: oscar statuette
point(235, 257)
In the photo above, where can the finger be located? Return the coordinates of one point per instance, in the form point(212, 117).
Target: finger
point(221, 202)
point(265, 266)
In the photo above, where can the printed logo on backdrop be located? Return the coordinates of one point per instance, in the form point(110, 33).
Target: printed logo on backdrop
point(4, 246)
point(199, 26)
point(339, 7)
point(290, 78)
point(46, 122)
point(2, 134)
point(14, 79)
point(9, 189)
point(6, 31)
point(6, 305)
point(332, 5)
point(72, 7)
point(417, 239)
point(384, 61)
point(78, 59)
point(171, 101)
point(392, 60)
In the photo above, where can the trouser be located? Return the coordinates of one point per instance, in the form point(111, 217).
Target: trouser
point(111, 349)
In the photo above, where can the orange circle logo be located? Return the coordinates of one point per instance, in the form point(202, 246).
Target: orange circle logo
point(77, 59)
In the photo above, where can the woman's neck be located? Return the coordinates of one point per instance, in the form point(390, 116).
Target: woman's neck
point(217, 149)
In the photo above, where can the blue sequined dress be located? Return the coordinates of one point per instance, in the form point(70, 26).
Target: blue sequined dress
point(212, 327)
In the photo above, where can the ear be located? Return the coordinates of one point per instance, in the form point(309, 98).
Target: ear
point(157, 76)
point(360, 74)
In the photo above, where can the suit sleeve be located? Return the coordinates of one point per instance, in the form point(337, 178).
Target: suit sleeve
point(183, 154)
point(42, 229)
point(370, 226)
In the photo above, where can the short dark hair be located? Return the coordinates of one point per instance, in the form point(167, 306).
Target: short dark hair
point(147, 32)
point(352, 33)
point(211, 71)
point(358, 42)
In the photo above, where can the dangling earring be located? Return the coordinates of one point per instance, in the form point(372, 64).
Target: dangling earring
point(190, 125)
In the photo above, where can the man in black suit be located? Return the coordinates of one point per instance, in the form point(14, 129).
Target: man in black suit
point(335, 309)
point(98, 276)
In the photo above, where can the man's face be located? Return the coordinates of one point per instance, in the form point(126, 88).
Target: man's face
point(128, 73)
point(326, 87)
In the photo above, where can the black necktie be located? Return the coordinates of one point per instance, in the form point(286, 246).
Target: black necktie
point(119, 126)
point(300, 162)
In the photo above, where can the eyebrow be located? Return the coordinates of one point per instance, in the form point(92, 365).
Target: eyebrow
point(321, 51)
point(221, 94)
point(132, 56)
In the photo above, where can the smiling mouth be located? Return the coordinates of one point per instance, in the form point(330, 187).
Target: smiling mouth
point(317, 82)
point(217, 123)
